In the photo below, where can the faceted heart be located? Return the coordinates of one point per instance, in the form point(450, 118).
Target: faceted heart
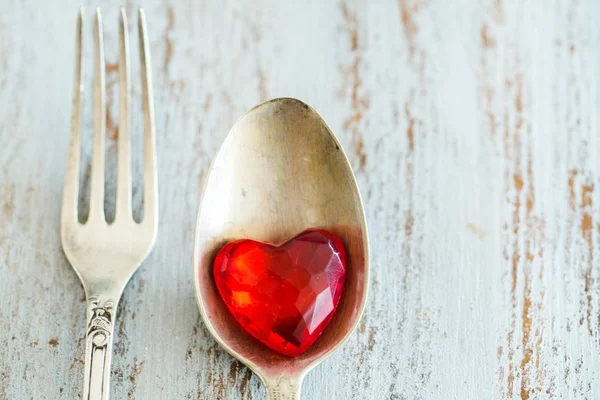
point(284, 295)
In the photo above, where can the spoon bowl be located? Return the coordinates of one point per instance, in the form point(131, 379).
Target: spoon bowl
point(279, 172)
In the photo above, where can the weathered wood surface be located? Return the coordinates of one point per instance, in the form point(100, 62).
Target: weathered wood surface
point(473, 128)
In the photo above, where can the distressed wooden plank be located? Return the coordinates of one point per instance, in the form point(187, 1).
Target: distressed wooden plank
point(473, 132)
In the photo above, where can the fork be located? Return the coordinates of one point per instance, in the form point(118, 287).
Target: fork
point(104, 255)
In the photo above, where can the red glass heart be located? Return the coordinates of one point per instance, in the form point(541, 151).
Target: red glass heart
point(284, 295)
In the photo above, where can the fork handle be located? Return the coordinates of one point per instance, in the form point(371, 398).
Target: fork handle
point(101, 312)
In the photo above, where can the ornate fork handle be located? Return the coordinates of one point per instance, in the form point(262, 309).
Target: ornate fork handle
point(98, 349)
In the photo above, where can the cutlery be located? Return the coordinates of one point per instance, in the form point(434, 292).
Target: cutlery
point(105, 255)
point(279, 172)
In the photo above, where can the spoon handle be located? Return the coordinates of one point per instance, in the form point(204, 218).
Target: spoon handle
point(284, 388)
point(98, 349)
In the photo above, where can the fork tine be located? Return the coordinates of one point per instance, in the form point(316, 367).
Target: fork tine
point(124, 164)
point(97, 185)
point(71, 185)
point(150, 179)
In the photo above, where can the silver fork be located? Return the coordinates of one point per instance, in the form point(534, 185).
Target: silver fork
point(104, 255)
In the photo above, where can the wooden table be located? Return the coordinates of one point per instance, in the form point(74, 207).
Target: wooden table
point(473, 132)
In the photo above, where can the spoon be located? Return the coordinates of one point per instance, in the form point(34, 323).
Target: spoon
point(279, 172)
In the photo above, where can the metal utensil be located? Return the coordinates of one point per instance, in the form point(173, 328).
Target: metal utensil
point(280, 171)
point(104, 255)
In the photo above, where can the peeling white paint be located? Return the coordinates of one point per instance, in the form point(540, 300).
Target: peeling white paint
point(473, 130)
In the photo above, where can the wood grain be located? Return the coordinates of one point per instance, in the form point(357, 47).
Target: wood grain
point(472, 128)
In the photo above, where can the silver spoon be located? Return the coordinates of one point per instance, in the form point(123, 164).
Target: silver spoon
point(279, 172)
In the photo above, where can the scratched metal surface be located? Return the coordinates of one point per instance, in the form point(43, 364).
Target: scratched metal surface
point(473, 131)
